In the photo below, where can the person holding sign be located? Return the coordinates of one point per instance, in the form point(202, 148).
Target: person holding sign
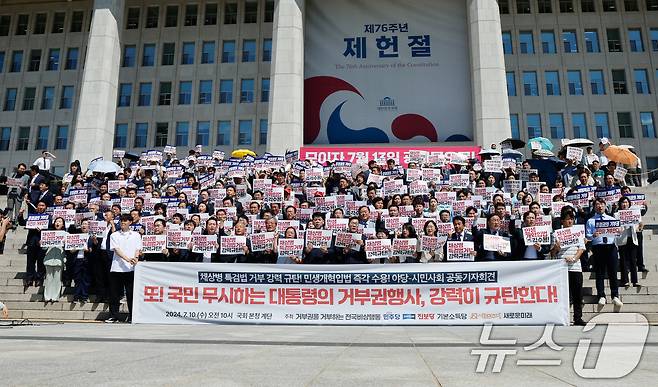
point(15, 194)
point(606, 260)
point(628, 246)
point(54, 262)
point(323, 255)
point(460, 234)
point(81, 270)
point(290, 234)
point(571, 254)
point(493, 228)
point(35, 270)
point(355, 254)
point(519, 247)
point(436, 254)
point(127, 247)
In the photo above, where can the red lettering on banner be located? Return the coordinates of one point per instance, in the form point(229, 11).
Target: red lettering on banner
point(184, 294)
point(246, 296)
point(153, 294)
point(541, 294)
point(301, 296)
point(441, 296)
point(379, 296)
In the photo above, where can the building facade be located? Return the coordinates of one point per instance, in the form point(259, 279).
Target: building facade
point(79, 78)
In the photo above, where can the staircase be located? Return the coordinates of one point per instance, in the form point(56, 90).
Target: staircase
point(29, 304)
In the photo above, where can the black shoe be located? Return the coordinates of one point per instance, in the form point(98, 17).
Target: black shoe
point(111, 320)
point(129, 319)
point(83, 300)
point(636, 285)
point(579, 323)
point(644, 270)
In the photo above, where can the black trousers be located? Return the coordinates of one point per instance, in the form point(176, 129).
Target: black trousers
point(35, 269)
point(628, 261)
point(576, 294)
point(100, 263)
point(120, 282)
point(606, 260)
point(640, 251)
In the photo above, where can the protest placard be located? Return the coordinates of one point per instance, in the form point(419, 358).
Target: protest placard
point(36, 221)
point(609, 195)
point(319, 238)
point(459, 180)
point(512, 186)
point(404, 247)
point(337, 224)
point(460, 251)
point(75, 241)
point(52, 238)
point(113, 186)
point(574, 153)
point(620, 173)
point(524, 174)
point(496, 243)
point(97, 228)
point(378, 248)
point(232, 245)
point(67, 214)
point(78, 196)
point(536, 234)
point(493, 166)
point(430, 243)
point(152, 244)
point(204, 243)
point(290, 247)
point(571, 236)
point(262, 241)
point(607, 228)
point(178, 238)
point(629, 217)
point(348, 240)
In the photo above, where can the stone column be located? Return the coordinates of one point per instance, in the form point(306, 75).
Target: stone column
point(490, 104)
point(286, 107)
point(93, 134)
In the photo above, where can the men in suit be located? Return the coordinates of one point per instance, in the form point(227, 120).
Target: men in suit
point(493, 228)
point(460, 234)
point(521, 251)
point(42, 194)
point(35, 270)
point(35, 178)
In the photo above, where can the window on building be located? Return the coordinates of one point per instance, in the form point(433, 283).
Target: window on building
point(161, 134)
point(141, 134)
point(53, 60)
point(267, 50)
point(40, 21)
point(10, 100)
point(248, 50)
point(269, 11)
point(630, 6)
point(641, 78)
point(152, 16)
point(566, 6)
point(544, 6)
point(145, 90)
point(244, 132)
point(5, 138)
point(503, 7)
point(653, 34)
point(625, 125)
point(534, 125)
point(556, 122)
point(262, 132)
point(602, 125)
point(125, 93)
point(203, 133)
point(208, 52)
point(228, 51)
point(184, 92)
point(23, 140)
point(132, 19)
point(16, 61)
point(2, 61)
point(168, 53)
point(635, 40)
point(42, 138)
point(226, 91)
point(652, 5)
point(205, 92)
point(596, 81)
point(592, 41)
point(171, 16)
point(120, 135)
point(22, 25)
point(648, 127)
point(66, 99)
point(569, 41)
point(579, 124)
point(5, 22)
point(251, 12)
point(511, 84)
point(609, 6)
point(514, 124)
point(223, 132)
point(61, 137)
point(530, 83)
point(48, 98)
point(265, 90)
point(128, 59)
point(35, 60)
point(552, 83)
point(58, 22)
point(614, 39)
point(507, 43)
point(148, 55)
point(182, 133)
point(29, 95)
point(210, 15)
point(619, 81)
point(164, 94)
point(76, 21)
point(522, 6)
point(526, 45)
point(72, 56)
point(246, 91)
point(191, 14)
point(230, 13)
point(548, 42)
point(187, 55)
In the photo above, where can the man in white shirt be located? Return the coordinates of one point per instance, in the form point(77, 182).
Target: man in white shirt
point(44, 161)
point(127, 247)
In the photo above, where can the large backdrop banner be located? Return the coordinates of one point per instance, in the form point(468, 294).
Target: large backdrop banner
point(524, 293)
point(386, 71)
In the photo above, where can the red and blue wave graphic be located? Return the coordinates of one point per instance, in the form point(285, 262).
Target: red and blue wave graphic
point(317, 89)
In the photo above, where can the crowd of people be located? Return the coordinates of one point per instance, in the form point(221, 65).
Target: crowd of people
point(91, 229)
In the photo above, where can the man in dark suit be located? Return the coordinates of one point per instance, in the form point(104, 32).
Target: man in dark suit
point(42, 194)
point(493, 228)
point(35, 179)
point(460, 234)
